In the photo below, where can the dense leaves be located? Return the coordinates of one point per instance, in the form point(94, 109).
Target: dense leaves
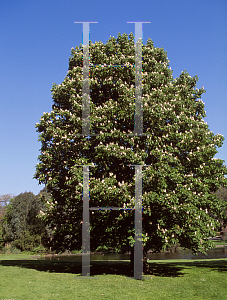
point(182, 176)
point(21, 226)
point(4, 200)
point(222, 195)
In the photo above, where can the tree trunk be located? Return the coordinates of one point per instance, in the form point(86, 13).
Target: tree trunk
point(132, 260)
point(146, 267)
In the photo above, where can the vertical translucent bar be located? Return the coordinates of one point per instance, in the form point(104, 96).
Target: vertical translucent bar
point(86, 33)
point(138, 253)
point(86, 224)
point(138, 127)
point(86, 93)
point(86, 87)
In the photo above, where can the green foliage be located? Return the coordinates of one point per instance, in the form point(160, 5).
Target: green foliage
point(1, 234)
point(102, 248)
point(26, 241)
point(10, 249)
point(179, 185)
point(39, 249)
point(4, 200)
point(21, 227)
point(222, 195)
point(76, 251)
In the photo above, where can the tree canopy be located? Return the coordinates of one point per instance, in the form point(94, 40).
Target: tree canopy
point(20, 223)
point(4, 200)
point(181, 175)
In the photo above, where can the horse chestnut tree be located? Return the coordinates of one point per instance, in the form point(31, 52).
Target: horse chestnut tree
point(181, 174)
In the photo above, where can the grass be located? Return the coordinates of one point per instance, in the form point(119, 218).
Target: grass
point(216, 242)
point(23, 278)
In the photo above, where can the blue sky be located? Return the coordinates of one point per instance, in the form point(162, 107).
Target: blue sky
point(36, 38)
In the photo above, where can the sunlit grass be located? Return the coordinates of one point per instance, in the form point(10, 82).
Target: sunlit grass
point(216, 242)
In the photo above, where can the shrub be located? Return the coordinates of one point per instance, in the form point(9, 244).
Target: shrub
point(39, 249)
point(76, 251)
point(10, 249)
point(26, 241)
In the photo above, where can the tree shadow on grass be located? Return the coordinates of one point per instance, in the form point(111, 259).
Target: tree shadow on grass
point(123, 268)
point(96, 267)
point(163, 269)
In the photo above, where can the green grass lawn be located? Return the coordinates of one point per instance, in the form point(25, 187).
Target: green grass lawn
point(220, 242)
point(23, 278)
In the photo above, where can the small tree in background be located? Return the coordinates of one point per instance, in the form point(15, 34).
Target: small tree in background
point(222, 195)
point(21, 226)
point(4, 200)
point(179, 147)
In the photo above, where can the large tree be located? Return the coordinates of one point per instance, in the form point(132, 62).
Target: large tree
point(179, 149)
